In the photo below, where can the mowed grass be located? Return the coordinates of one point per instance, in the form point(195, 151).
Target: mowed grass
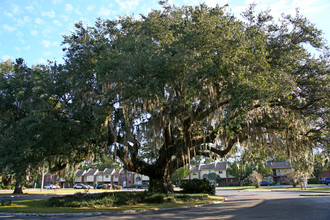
point(39, 206)
point(53, 191)
point(277, 188)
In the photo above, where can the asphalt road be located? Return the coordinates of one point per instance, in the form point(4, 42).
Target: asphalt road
point(239, 205)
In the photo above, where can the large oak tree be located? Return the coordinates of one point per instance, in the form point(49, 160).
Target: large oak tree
point(188, 81)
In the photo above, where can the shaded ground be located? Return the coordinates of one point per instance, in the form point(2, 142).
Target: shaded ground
point(239, 205)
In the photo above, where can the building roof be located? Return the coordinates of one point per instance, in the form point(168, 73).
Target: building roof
point(278, 165)
point(107, 171)
point(99, 173)
point(194, 168)
point(91, 171)
point(207, 167)
point(220, 166)
point(80, 172)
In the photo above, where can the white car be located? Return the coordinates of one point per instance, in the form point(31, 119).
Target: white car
point(82, 186)
point(51, 186)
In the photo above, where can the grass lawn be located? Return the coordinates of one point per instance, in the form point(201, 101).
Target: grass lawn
point(274, 188)
point(52, 191)
point(39, 206)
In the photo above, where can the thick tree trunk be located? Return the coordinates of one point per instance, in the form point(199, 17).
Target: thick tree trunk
point(160, 185)
point(18, 187)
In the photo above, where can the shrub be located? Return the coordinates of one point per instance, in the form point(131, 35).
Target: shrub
point(116, 187)
point(313, 181)
point(255, 178)
point(198, 186)
point(187, 197)
point(133, 186)
point(247, 182)
point(155, 198)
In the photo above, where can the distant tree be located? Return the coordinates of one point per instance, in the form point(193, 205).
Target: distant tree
point(255, 178)
point(293, 177)
point(213, 177)
point(180, 174)
point(240, 171)
point(264, 170)
point(37, 122)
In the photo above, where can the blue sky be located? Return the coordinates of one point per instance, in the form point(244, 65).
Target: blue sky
point(33, 29)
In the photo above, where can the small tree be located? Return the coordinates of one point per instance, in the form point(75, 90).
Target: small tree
point(179, 174)
point(213, 177)
point(293, 177)
point(240, 171)
point(255, 178)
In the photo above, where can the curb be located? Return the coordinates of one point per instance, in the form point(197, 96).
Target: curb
point(107, 213)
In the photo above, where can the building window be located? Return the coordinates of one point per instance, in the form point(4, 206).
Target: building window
point(129, 174)
point(210, 171)
point(194, 173)
point(116, 176)
point(220, 172)
point(106, 176)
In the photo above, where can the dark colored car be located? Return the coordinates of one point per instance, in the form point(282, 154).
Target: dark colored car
point(265, 183)
point(326, 181)
point(142, 186)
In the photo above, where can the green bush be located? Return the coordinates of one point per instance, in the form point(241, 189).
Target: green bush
point(155, 198)
point(247, 182)
point(198, 186)
point(116, 187)
point(313, 181)
point(132, 186)
point(111, 199)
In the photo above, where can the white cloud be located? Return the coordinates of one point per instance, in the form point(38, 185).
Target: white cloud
point(127, 5)
point(34, 32)
point(16, 9)
point(39, 21)
point(104, 12)
point(6, 57)
point(8, 14)
point(65, 17)
point(30, 8)
point(50, 14)
point(42, 61)
point(27, 19)
point(68, 8)
point(90, 7)
point(47, 53)
point(18, 49)
point(47, 43)
point(213, 3)
point(8, 28)
point(57, 23)
point(27, 47)
point(23, 21)
point(57, 1)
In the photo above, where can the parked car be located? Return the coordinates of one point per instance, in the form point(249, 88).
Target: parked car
point(265, 183)
point(142, 186)
point(51, 186)
point(81, 186)
point(326, 181)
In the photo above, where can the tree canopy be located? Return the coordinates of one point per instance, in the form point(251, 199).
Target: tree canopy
point(188, 81)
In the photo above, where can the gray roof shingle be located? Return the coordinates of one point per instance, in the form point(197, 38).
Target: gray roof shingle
point(278, 165)
point(91, 171)
point(80, 172)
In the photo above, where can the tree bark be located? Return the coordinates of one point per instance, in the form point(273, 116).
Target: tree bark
point(162, 184)
point(18, 187)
